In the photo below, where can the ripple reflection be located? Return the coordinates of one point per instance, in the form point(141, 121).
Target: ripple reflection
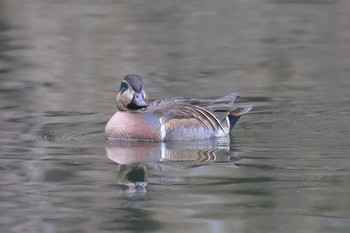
point(138, 161)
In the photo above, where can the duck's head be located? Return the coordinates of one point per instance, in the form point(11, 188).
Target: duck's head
point(131, 96)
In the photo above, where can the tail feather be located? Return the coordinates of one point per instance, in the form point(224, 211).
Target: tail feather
point(237, 113)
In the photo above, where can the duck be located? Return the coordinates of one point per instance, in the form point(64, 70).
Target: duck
point(170, 119)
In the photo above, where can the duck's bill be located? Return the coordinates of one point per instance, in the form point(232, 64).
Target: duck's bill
point(138, 102)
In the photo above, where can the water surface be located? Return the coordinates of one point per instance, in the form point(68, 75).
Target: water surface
point(285, 168)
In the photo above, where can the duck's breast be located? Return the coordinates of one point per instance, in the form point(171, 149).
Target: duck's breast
point(134, 125)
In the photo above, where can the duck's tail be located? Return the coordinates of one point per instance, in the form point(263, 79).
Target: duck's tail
point(234, 115)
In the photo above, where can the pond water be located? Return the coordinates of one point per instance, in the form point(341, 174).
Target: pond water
point(286, 167)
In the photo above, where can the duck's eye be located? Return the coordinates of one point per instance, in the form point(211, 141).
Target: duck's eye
point(123, 86)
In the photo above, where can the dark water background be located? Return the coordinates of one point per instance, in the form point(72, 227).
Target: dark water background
point(286, 169)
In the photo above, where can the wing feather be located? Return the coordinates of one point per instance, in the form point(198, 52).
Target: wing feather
point(195, 112)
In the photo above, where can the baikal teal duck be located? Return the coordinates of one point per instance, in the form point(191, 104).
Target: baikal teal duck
point(171, 118)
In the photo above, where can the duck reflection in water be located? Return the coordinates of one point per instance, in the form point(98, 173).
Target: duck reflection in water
point(138, 161)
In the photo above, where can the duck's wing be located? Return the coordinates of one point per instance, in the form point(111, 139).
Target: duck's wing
point(182, 112)
point(227, 99)
point(168, 103)
point(222, 107)
point(198, 111)
point(206, 103)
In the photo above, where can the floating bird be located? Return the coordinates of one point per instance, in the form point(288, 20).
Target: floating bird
point(170, 119)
